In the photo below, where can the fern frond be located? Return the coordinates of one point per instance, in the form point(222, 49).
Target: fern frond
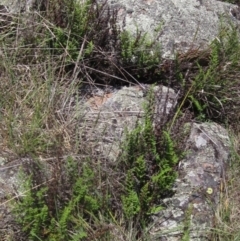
point(170, 154)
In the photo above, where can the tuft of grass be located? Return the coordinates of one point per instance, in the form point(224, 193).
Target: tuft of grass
point(227, 214)
point(210, 83)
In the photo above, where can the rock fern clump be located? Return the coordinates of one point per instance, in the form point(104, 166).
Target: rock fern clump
point(150, 158)
point(79, 198)
point(59, 212)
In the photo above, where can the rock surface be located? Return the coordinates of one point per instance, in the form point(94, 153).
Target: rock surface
point(190, 212)
point(177, 25)
point(15, 6)
point(116, 113)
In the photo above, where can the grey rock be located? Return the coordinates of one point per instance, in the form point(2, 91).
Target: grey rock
point(116, 113)
point(197, 190)
point(184, 25)
point(16, 6)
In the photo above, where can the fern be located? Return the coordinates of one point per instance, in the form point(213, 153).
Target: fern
point(150, 172)
point(139, 168)
point(163, 180)
point(127, 46)
point(65, 218)
point(145, 197)
point(170, 154)
point(131, 204)
point(139, 50)
point(35, 218)
point(69, 39)
point(31, 212)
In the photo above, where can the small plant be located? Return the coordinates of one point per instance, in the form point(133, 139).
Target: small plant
point(209, 86)
point(140, 55)
point(34, 216)
point(71, 29)
point(66, 219)
point(150, 173)
point(139, 50)
point(187, 224)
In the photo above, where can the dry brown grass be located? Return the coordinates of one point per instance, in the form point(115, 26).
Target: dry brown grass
point(227, 216)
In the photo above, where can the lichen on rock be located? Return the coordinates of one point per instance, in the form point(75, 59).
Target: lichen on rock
point(197, 189)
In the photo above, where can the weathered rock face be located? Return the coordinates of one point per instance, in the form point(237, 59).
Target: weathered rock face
point(190, 212)
point(116, 113)
point(9, 184)
point(183, 24)
point(15, 6)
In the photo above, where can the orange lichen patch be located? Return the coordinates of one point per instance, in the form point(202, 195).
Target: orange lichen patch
point(208, 167)
point(96, 102)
